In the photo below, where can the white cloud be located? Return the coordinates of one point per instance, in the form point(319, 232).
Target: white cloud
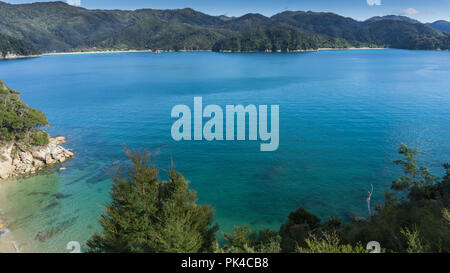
point(409, 11)
point(74, 2)
point(374, 2)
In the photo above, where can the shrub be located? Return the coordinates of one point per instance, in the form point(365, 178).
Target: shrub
point(39, 138)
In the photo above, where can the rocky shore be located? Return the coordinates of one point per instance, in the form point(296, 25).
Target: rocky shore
point(19, 159)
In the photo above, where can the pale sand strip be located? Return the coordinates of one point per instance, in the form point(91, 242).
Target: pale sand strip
point(95, 52)
point(352, 48)
point(7, 243)
point(150, 51)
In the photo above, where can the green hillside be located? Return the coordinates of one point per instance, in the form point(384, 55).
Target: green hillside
point(10, 45)
point(56, 26)
point(163, 35)
point(441, 25)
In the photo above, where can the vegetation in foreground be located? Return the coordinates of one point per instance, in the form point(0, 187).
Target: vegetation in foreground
point(150, 215)
point(18, 121)
point(154, 216)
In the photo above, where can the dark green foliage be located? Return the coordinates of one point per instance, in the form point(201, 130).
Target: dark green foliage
point(401, 34)
point(270, 39)
point(441, 25)
point(248, 22)
point(17, 120)
point(157, 34)
point(150, 215)
point(56, 26)
point(330, 243)
point(417, 224)
point(61, 27)
point(421, 213)
point(416, 180)
point(240, 238)
point(322, 23)
point(15, 46)
point(39, 138)
point(392, 17)
point(246, 240)
point(297, 228)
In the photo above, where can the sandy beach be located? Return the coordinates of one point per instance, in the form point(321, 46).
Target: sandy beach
point(159, 51)
point(352, 48)
point(95, 52)
point(7, 243)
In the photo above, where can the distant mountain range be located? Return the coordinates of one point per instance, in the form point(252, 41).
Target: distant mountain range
point(393, 17)
point(56, 26)
point(440, 25)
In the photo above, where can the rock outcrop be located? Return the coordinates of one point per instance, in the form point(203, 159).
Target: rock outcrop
point(18, 159)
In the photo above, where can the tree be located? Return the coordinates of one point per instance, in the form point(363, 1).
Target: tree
point(416, 180)
point(18, 121)
point(413, 224)
point(297, 229)
point(245, 240)
point(153, 216)
point(330, 243)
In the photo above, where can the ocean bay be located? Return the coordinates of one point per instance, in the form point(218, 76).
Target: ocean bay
point(342, 116)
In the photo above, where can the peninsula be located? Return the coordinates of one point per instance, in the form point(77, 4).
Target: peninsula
point(13, 48)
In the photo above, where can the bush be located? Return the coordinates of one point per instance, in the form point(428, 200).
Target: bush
point(153, 216)
point(17, 119)
point(39, 138)
point(245, 240)
point(297, 229)
point(330, 243)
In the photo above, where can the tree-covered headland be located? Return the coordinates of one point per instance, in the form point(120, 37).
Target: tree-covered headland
point(11, 45)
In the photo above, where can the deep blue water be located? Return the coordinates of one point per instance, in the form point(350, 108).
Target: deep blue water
point(342, 116)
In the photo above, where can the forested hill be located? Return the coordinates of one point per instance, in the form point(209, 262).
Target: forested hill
point(10, 47)
point(56, 26)
point(441, 25)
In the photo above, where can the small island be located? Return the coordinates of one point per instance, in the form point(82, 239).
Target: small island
point(24, 148)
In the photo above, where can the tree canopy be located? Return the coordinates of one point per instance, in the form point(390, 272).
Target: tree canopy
point(11, 45)
point(150, 215)
point(18, 120)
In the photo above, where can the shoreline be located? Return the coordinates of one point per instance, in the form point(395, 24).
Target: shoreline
point(190, 51)
point(224, 51)
point(351, 48)
point(121, 51)
point(7, 242)
point(17, 57)
point(97, 52)
point(51, 154)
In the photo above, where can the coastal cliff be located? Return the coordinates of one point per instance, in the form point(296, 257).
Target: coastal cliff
point(18, 159)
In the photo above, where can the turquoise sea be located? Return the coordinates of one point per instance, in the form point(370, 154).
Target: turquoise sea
point(342, 115)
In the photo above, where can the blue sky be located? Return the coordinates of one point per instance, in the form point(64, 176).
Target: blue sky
point(422, 10)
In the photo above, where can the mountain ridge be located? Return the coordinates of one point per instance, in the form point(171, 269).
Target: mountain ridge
point(441, 25)
point(59, 27)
